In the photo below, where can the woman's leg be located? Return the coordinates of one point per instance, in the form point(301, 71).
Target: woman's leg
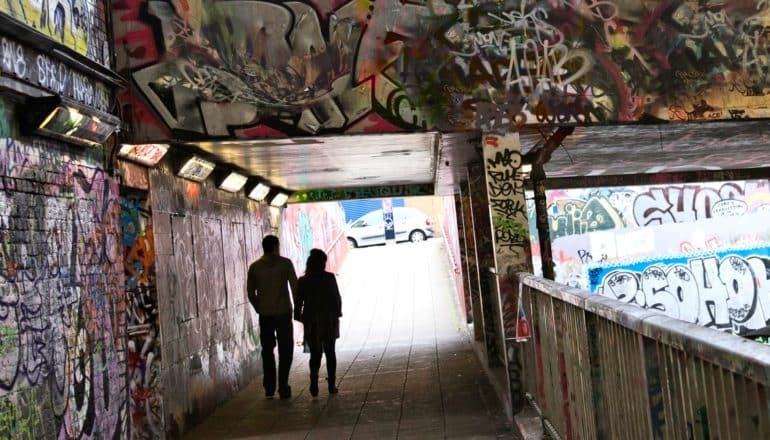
point(315, 365)
point(331, 363)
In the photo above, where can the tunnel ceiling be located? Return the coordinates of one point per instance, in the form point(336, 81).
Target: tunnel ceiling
point(346, 161)
point(334, 161)
point(214, 73)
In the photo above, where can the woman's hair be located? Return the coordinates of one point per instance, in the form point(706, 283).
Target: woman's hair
point(316, 262)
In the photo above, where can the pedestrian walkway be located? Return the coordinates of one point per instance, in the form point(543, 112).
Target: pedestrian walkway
point(406, 367)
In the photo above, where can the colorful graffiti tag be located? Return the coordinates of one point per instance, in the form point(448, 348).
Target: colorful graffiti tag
point(143, 327)
point(78, 24)
point(62, 303)
point(729, 289)
point(582, 211)
point(261, 69)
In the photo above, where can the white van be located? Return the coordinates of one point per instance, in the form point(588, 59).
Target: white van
point(410, 225)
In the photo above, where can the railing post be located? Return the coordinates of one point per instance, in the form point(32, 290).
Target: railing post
point(596, 361)
point(651, 373)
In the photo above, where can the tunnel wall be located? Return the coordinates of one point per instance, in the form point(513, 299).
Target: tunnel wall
point(62, 302)
point(314, 225)
point(452, 243)
point(204, 240)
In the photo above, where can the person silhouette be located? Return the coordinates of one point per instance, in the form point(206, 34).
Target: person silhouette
point(318, 306)
point(268, 283)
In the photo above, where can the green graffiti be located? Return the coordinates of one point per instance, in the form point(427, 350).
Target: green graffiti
point(9, 339)
point(21, 419)
point(509, 227)
point(5, 118)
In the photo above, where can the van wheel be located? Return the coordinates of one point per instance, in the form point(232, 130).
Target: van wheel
point(352, 244)
point(416, 236)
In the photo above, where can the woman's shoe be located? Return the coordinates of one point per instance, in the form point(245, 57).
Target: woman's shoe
point(332, 388)
point(314, 386)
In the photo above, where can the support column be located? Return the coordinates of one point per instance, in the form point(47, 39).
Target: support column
point(472, 262)
point(508, 212)
point(541, 214)
point(463, 258)
point(485, 254)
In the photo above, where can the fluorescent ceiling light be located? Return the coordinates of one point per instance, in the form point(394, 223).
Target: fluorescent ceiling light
point(63, 119)
point(196, 169)
point(259, 192)
point(279, 199)
point(145, 154)
point(233, 182)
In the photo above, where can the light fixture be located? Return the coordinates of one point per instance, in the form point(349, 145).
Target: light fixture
point(145, 154)
point(279, 199)
point(66, 120)
point(233, 182)
point(526, 168)
point(196, 169)
point(259, 192)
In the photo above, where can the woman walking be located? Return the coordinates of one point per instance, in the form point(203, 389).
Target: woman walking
point(319, 306)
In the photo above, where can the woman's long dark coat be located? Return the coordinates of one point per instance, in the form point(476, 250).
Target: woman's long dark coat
point(319, 306)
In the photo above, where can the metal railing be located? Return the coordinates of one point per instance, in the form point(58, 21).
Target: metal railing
point(599, 368)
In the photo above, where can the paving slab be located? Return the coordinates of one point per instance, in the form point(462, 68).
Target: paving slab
point(406, 367)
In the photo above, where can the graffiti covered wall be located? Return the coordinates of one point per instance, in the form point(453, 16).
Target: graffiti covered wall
point(204, 240)
point(727, 289)
point(669, 247)
point(80, 25)
point(314, 225)
point(143, 326)
point(261, 69)
point(62, 303)
point(450, 234)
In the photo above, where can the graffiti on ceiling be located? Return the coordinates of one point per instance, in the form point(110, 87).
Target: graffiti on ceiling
point(249, 69)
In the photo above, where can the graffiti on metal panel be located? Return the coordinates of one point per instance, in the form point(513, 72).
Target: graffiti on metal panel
point(143, 326)
point(78, 24)
point(62, 355)
point(54, 75)
point(505, 192)
point(729, 289)
point(260, 69)
point(505, 189)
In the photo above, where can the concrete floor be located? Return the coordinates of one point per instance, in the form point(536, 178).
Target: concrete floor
point(406, 367)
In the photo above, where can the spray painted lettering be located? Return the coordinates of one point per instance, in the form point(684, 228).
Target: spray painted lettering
point(728, 290)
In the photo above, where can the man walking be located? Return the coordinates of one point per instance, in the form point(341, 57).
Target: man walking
point(267, 287)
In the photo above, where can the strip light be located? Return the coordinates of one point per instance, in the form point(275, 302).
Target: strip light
point(145, 154)
point(196, 169)
point(233, 182)
point(259, 192)
point(279, 199)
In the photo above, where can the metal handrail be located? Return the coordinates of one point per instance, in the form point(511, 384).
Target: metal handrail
point(600, 368)
point(721, 348)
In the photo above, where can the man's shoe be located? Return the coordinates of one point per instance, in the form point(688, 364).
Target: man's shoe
point(269, 395)
point(332, 387)
point(285, 393)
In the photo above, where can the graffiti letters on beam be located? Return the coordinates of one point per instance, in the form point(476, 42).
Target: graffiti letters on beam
point(62, 306)
point(729, 289)
point(78, 24)
point(254, 68)
point(370, 192)
point(53, 75)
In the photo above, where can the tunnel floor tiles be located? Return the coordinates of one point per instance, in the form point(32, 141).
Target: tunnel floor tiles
point(406, 367)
